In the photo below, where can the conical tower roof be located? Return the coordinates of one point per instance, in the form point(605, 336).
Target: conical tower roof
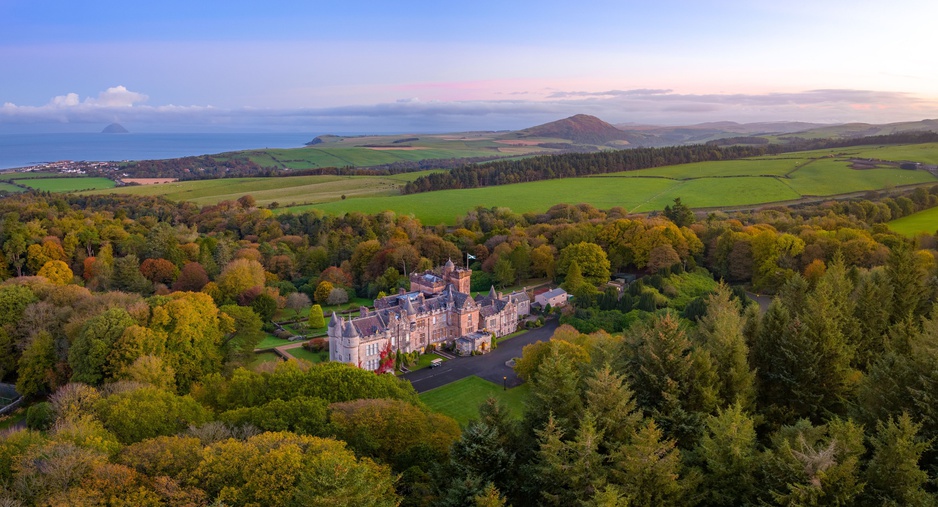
point(350, 329)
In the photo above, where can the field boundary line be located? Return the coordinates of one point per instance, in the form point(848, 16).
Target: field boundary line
point(679, 184)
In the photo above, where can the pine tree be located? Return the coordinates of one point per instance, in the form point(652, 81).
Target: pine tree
point(672, 381)
point(729, 456)
point(893, 476)
point(648, 470)
point(610, 403)
point(720, 332)
point(574, 279)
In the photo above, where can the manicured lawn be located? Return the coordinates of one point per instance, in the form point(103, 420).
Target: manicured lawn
point(263, 357)
point(924, 221)
point(424, 361)
point(461, 399)
point(271, 341)
point(313, 357)
point(67, 184)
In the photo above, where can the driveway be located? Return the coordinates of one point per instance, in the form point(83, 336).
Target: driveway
point(490, 366)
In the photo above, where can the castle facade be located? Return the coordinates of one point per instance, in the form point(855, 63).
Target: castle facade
point(438, 309)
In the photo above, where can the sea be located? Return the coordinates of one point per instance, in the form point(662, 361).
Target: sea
point(22, 150)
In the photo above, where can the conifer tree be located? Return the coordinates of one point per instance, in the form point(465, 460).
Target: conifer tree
point(649, 469)
point(729, 456)
point(673, 381)
point(720, 332)
point(893, 475)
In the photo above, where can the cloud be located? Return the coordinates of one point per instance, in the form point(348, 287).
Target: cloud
point(657, 106)
point(117, 96)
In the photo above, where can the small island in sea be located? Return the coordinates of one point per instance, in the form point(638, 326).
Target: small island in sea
point(115, 128)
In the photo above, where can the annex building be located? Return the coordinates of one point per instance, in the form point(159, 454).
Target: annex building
point(438, 309)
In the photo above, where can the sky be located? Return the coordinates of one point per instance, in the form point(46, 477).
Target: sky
point(437, 66)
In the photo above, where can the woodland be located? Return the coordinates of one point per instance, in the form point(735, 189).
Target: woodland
point(129, 323)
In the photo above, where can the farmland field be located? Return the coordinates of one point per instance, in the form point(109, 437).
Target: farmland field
point(924, 221)
point(16, 175)
point(378, 150)
point(727, 183)
point(299, 189)
point(831, 176)
point(7, 187)
point(744, 167)
point(67, 184)
point(461, 399)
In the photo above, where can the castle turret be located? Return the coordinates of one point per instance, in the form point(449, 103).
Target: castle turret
point(353, 341)
point(449, 267)
point(334, 332)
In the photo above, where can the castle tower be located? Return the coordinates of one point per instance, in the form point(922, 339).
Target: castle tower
point(353, 342)
point(334, 332)
point(460, 278)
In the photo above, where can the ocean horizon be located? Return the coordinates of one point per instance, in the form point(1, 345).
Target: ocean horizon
point(22, 150)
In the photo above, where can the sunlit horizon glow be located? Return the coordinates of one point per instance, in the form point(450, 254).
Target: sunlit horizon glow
point(420, 66)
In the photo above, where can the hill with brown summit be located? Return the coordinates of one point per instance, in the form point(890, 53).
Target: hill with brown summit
point(580, 128)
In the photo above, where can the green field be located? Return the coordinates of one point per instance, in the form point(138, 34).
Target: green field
point(17, 175)
point(364, 151)
point(744, 167)
point(831, 176)
point(925, 221)
point(285, 190)
point(66, 184)
point(7, 187)
point(461, 399)
point(727, 184)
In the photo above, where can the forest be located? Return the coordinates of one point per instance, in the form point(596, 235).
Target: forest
point(129, 323)
point(571, 165)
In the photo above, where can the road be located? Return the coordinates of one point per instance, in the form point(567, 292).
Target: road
point(489, 366)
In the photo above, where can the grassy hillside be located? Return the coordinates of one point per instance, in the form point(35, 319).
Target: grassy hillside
point(917, 223)
point(296, 189)
point(728, 183)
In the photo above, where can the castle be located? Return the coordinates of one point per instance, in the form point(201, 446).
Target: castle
point(437, 309)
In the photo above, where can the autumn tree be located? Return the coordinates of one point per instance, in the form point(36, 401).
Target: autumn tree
point(159, 271)
point(591, 259)
point(57, 272)
point(192, 278)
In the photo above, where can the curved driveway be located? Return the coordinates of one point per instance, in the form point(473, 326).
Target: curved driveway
point(490, 366)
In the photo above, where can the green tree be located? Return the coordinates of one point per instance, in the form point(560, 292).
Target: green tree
point(591, 259)
point(265, 306)
point(649, 469)
point(573, 282)
point(148, 412)
point(729, 455)
point(570, 470)
point(88, 354)
point(394, 431)
point(316, 318)
point(37, 366)
point(288, 470)
point(680, 213)
point(720, 332)
point(673, 381)
point(893, 476)
point(504, 272)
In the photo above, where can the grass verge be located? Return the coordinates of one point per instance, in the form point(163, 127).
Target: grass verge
point(461, 399)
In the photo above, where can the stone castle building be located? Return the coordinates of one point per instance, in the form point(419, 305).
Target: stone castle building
point(437, 309)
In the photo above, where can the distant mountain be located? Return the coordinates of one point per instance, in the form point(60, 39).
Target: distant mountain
point(115, 128)
point(581, 129)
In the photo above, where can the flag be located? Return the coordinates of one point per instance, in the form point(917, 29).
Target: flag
point(470, 256)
